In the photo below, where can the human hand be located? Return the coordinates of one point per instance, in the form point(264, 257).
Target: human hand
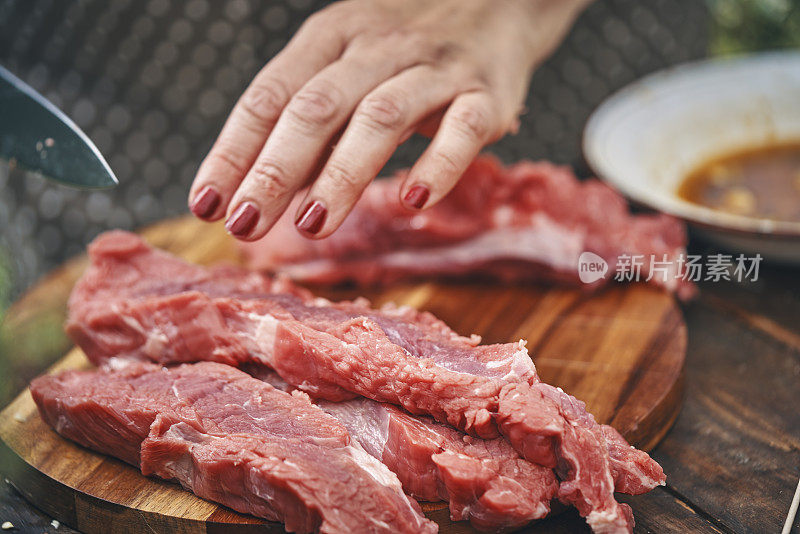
point(356, 81)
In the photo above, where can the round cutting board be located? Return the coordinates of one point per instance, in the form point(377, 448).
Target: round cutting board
point(621, 350)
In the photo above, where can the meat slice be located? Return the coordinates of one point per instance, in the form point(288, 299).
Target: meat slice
point(335, 351)
point(233, 439)
point(528, 221)
point(484, 481)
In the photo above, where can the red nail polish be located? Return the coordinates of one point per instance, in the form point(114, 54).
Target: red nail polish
point(206, 202)
point(417, 196)
point(312, 218)
point(243, 220)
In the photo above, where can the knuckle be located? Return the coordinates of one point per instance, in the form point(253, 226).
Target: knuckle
point(473, 122)
point(269, 179)
point(476, 77)
point(411, 41)
point(418, 43)
point(381, 44)
point(265, 99)
point(341, 178)
point(447, 164)
point(227, 159)
point(384, 111)
point(444, 51)
point(315, 107)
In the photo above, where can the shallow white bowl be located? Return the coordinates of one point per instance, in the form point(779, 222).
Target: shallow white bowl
point(646, 138)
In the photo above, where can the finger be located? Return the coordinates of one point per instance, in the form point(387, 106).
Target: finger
point(376, 129)
point(318, 110)
point(468, 125)
point(255, 114)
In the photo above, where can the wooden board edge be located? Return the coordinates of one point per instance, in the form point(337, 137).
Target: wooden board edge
point(665, 420)
point(671, 404)
point(90, 514)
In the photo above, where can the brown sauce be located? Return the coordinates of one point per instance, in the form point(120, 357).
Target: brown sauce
point(762, 183)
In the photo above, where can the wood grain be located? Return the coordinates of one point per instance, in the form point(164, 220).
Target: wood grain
point(621, 350)
point(735, 451)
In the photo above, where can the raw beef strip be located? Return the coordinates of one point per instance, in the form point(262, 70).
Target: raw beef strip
point(336, 350)
point(233, 439)
point(529, 221)
point(484, 481)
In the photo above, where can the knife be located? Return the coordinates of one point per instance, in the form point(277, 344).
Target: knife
point(38, 136)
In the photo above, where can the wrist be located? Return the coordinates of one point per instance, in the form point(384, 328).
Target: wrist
point(546, 23)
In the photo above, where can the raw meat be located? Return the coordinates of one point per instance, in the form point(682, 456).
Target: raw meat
point(335, 351)
point(484, 481)
point(233, 439)
point(529, 221)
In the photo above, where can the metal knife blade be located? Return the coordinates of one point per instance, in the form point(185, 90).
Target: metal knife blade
point(38, 136)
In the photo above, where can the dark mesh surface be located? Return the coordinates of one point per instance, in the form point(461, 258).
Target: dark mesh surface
point(151, 82)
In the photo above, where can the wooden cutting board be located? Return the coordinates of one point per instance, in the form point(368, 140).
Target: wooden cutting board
point(621, 350)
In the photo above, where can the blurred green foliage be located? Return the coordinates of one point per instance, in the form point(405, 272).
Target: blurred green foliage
point(27, 344)
point(5, 282)
point(752, 25)
point(5, 297)
point(27, 347)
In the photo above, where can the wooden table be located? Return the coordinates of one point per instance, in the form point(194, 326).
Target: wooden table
point(732, 458)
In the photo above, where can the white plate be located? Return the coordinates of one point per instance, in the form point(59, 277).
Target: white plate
point(647, 137)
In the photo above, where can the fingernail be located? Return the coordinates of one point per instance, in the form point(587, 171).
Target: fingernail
point(312, 218)
point(206, 202)
point(417, 196)
point(243, 220)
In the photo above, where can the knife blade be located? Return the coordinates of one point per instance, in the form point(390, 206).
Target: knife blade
point(38, 136)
